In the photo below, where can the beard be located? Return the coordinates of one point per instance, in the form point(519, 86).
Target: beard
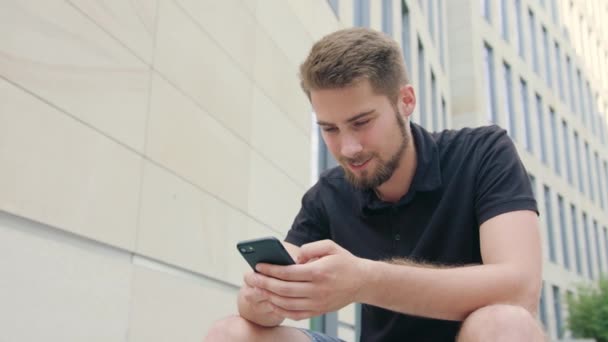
point(385, 169)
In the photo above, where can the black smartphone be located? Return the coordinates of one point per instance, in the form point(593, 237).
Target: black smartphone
point(267, 250)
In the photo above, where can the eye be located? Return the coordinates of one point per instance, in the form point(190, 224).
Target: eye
point(361, 123)
point(330, 129)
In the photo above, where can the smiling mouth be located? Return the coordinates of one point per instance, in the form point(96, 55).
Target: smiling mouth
point(358, 165)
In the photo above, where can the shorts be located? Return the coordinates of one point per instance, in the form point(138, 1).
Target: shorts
point(319, 337)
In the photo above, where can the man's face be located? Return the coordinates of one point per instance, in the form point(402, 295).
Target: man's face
point(365, 132)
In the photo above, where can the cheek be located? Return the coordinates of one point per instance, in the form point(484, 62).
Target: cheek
point(332, 144)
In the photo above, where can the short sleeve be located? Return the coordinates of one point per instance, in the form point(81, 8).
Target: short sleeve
point(502, 182)
point(311, 223)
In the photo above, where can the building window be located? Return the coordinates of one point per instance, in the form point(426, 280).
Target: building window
point(557, 302)
point(387, 17)
point(526, 112)
point(606, 243)
point(590, 114)
point(485, 9)
point(541, 128)
point(590, 272)
point(431, 18)
point(606, 179)
point(542, 308)
point(570, 84)
point(440, 21)
point(577, 248)
point(568, 160)
point(405, 34)
point(335, 7)
point(562, 227)
point(532, 184)
point(361, 13)
point(518, 28)
point(547, 53)
point(549, 223)
point(533, 42)
point(422, 84)
point(558, 69)
point(444, 113)
point(509, 115)
point(589, 171)
point(581, 101)
point(579, 170)
point(555, 142)
point(598, 255)
point(554, 13)
point(488, 56)
point(601, 194)
point(503, 16)
point(434, 103)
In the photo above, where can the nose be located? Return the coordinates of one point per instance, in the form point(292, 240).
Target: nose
point(350, 146)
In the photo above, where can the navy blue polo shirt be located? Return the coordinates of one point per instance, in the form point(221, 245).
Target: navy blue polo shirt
point(463, 178)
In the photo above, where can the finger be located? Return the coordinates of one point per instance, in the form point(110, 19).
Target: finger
point(295, 315)
point(264, 307)
point(292, 304)
point(250, 279)
point(288, 273)
point(255, 295)
point(283, 288)
point(317, 249)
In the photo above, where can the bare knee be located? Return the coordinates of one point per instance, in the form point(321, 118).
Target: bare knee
point(232, 328)
point(501, 323)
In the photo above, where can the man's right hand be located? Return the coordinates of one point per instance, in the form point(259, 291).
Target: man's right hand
point(254, 305)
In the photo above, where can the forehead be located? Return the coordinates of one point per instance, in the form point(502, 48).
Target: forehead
point(339, 104)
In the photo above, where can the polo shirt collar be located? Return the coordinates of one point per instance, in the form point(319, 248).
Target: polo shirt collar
point(426, 178)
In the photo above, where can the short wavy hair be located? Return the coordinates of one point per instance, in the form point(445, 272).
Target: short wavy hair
point(348, 56)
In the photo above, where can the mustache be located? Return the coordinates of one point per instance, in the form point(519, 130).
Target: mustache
point(357, 159)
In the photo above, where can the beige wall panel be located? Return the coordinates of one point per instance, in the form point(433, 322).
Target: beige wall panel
point(56, 287)
point(273, 198)
point(279, 140)
point(284, 27)
point(346, 334)
point(133, 23)
point(250, 4)
point(278, 78)
point(185, 139)
point(236, 38)
point(53, 50)
point(316, 16)
point(347, 314)
point(173, 307)
point(58, 171)
point(181, 225)
point(192, 60)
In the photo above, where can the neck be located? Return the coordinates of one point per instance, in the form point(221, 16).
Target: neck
point(399, 184)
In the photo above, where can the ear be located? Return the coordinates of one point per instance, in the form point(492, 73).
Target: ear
point(407, 100)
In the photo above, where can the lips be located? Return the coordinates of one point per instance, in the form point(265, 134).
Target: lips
point(358, 166)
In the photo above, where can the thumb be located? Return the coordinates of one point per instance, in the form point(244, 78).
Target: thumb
point(315, 250)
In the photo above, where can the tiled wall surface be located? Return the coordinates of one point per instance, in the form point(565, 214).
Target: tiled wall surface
point(139, 141)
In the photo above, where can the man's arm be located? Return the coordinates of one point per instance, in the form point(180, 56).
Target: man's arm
point(511, 273)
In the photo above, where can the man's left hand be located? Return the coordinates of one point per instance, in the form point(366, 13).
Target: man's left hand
point(326, 278)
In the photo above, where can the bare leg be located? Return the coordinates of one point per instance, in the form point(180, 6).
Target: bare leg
point(501, 323)
point(236, 328)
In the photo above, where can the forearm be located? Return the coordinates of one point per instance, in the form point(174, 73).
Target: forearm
point(447, 293)
point(249, 312)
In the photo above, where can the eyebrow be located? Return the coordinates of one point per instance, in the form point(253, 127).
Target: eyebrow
point(354, 118)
